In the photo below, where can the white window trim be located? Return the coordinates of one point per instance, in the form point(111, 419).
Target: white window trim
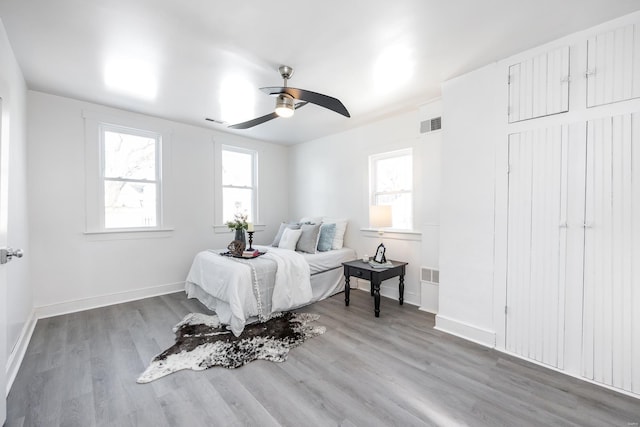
point(95, 122)
point(391, 234)
point(219, 225)
point(372, 187)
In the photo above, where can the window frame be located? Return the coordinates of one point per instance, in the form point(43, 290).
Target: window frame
point(96, 123)
point(253, 215)
point(104, 127)
point(374, 193)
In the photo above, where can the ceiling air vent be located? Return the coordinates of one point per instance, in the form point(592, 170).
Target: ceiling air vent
point(431, 125)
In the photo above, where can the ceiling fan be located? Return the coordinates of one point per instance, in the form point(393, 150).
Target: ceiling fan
point(286, 104)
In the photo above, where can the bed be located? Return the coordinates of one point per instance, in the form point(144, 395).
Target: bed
point(242, 291)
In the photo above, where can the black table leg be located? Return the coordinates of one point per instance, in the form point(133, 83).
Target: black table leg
point(401, 286)
point(346, 290)
point(376, 298)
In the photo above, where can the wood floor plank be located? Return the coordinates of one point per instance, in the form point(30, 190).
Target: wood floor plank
point(78, 411)
point(80, 369)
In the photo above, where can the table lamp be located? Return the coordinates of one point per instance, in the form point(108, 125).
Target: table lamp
point(380, 217)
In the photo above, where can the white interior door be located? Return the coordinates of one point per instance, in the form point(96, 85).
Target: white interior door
point(542, 169)
point(4, 175)
point(611, 332)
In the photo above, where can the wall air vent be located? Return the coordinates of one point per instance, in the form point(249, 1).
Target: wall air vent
point(430, 275)
point(431, 124)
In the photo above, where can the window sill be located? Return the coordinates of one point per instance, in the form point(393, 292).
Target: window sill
point(129, 233)
point(393, 234)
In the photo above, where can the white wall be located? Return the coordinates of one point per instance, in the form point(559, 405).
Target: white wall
point(429, 198)
point(19, 292)
point(467, 205)
point(330, 177)
point(69, 266)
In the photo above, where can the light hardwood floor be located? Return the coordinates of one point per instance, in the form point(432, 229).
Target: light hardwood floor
point(80, 370)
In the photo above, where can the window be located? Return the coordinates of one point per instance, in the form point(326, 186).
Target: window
point(239, 189)
point(391, 183)
point(131, 177)
point(126, 176)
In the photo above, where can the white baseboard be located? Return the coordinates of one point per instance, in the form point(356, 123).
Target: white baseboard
point(19, 350)
point(464, 330)
point(17, 355)
point(571, 374)
point(409, 297)
point(104, 300)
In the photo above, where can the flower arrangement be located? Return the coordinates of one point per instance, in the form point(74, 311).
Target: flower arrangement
point(239, 222)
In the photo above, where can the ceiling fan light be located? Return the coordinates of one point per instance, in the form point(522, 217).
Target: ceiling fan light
point(285, 106)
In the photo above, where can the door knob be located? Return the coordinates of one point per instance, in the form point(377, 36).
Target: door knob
point(7, 254)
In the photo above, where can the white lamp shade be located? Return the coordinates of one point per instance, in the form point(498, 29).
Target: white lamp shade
point(380, 216)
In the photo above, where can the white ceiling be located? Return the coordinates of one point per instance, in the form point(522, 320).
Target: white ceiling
point(192, 59)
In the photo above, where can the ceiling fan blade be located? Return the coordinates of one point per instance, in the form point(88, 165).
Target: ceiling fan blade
point(254, 122)
point(325, 101)
point(258, 121)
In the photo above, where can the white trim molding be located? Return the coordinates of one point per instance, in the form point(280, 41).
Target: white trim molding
point(392, 234)
point(464, 330)
point(105, 300)
point(17, 355)
point(19, 350)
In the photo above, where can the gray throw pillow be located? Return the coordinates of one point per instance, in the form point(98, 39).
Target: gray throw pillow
point(308, 241)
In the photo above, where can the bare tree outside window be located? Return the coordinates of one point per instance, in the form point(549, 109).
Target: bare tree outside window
point(131, 178)
point(238, 183)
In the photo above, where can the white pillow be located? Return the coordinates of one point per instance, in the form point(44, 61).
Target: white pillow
point(341, 228)
point(289, 239)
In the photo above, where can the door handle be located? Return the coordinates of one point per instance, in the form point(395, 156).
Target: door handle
point(7, 254)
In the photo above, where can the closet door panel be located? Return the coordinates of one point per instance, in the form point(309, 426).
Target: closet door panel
point(519, 243)
point(547, 292)
point(514, 93)
point(613, 66)
point(537, 244)
point(611, 328)
point(633, 333)
point(539, 86)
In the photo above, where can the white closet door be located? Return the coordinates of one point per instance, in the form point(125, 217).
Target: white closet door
point(611, 311)
point(613, 66)
point(537, 238)
point(539, 86)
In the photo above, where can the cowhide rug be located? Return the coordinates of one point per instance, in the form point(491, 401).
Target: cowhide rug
point(202, 342)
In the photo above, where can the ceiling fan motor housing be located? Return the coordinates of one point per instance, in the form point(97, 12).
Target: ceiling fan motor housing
point(285, 105)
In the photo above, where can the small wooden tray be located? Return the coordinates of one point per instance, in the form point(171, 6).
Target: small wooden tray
point(230, 255)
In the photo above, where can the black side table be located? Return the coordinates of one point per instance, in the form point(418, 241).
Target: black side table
point(375, 276)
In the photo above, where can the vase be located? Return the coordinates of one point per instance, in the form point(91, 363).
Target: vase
point(241, 236)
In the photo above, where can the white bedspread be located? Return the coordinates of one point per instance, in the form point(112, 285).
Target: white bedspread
point(293, 285)
point(230, 284)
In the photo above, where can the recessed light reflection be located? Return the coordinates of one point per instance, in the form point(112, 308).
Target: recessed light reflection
point(393, 68)
point(132, 77)
point(237, 99)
